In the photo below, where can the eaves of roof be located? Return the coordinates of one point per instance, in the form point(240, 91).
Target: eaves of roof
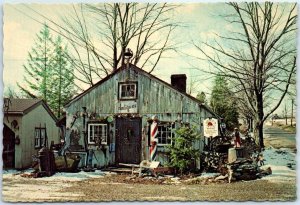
point(24, 112)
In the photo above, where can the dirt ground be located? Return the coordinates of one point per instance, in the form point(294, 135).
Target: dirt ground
point(126, 188)
point(241, 191)
point(113, 187)
point(277, 142)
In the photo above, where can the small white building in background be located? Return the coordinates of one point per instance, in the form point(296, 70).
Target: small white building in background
point(27, 123)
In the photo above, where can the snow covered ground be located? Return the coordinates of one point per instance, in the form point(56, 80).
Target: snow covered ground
point(55, 188)
point(44, 189)
point(61, 176)
point(283, 164)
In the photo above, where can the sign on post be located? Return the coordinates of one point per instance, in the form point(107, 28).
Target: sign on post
point(211, 127)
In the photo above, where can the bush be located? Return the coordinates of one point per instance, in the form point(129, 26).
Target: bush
point(181, 152)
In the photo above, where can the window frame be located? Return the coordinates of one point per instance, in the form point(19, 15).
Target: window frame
point(170, 128)
point(105, 142)
point(124, 84)
point(39, 138)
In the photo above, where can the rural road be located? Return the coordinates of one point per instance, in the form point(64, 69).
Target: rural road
point(279, 138)
point(276, 132)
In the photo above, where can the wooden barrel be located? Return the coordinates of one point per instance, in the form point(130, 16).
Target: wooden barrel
point(240, 152)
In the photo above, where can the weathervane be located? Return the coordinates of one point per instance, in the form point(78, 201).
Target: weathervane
point(127, 55)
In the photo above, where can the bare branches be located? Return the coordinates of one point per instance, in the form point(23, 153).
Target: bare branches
point(260, 58)
point(106, 30)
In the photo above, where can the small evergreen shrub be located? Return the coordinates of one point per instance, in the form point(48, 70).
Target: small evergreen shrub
point(181, 152)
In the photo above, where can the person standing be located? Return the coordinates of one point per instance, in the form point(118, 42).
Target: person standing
point(237, 138)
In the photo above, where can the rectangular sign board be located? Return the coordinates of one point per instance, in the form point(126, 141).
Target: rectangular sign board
point(127, 107)
point(210, 127)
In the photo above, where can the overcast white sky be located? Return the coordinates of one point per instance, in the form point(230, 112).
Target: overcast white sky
point(20, 27)
point(200, 21)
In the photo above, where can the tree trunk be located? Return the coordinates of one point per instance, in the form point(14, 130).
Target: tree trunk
point(260, 115)
point(261, 134)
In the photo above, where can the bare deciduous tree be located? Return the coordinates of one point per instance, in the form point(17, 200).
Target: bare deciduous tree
point(100, 34)
point(10, 92)
point(259, 55)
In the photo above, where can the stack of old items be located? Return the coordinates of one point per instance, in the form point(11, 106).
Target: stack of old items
point(48, 162)
point(250, 145)
point(44, 164)
point(213, 161)
point(242, 167)
point(215, 158)
point(67, 163)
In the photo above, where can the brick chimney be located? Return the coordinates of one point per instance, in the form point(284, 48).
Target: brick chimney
point(178, 81)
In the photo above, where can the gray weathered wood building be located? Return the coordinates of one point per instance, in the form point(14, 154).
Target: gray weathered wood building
point(109, 122)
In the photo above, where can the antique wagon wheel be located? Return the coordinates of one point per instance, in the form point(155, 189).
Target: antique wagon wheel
point(219, 140)
point(215, 142)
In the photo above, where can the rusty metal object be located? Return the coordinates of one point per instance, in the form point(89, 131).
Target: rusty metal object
point(47, 164)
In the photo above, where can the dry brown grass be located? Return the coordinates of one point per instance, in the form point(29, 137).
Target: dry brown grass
point(115, 189)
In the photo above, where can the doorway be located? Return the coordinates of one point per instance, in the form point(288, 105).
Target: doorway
point(128, 140)
point(8, 154)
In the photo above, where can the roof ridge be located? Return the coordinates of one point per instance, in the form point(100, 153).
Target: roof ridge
point(123, 67)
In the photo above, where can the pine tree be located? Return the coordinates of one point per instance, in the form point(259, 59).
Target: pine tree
point(62, 79)
point(202, 97)
point(48, 74)
point(222, 102)
point(39, 64)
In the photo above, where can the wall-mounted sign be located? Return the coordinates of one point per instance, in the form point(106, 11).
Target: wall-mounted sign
point(127, 107)
point(210, 127)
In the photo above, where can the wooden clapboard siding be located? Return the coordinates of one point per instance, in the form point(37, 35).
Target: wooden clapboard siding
point(155, 97)
point(38, 115)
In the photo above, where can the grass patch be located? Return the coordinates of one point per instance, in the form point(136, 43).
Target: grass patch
point(289, 128)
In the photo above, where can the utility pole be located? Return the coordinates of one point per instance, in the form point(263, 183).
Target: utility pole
point(45, 73)
point(285, 114)
point(59, 86)
point(292, 113)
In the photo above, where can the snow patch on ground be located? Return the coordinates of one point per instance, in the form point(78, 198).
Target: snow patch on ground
point(282, 162)
point(45, 188)
point(209, 175)
point(63, 176)
point(283, 165)
point(75, 176)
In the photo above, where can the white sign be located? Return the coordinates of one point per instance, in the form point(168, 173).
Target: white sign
point(210, 127)
point(127, 107)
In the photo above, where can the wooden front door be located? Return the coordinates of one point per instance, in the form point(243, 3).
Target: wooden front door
point(8, 154)
point(128, 140)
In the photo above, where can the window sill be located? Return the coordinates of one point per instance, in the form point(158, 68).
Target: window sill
point(127, 99)
point(97, 144)
point(163, 145)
